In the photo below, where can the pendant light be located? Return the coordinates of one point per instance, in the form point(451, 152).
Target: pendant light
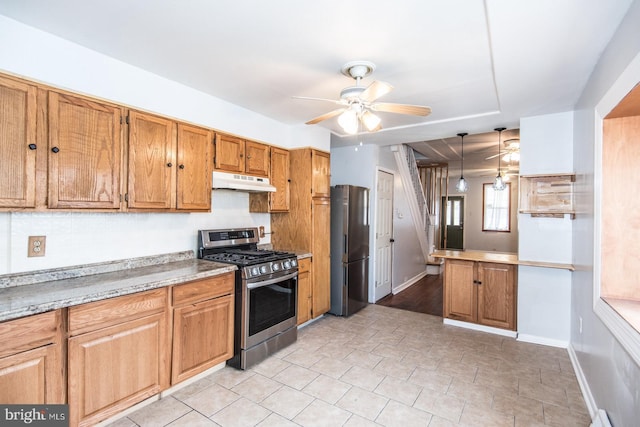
point(462, 185)
point(498, 183)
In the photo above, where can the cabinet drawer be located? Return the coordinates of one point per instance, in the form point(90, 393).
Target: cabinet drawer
point(29, 332)
point(202, 290)
point(304, 265)
point(100, 314)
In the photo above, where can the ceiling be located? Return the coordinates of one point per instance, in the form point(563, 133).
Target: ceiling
point(477, 64)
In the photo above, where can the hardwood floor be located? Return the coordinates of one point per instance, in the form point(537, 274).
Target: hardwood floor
point(425, 296)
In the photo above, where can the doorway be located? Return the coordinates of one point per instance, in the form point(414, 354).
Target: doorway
point(384, 234)
point(452, 227)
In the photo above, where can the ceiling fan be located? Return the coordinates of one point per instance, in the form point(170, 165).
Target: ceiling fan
point(358, 103)
point(511, 151)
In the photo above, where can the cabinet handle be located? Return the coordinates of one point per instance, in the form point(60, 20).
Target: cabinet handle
point(32, 146)
point(169, 164)
point(55, 149)
point(181, 166)
point(248, 156)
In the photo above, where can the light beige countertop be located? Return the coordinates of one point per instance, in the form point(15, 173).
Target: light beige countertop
point(498, 257)
point(24, 294)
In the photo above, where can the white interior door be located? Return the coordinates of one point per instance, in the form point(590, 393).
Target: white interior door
point(384, 234)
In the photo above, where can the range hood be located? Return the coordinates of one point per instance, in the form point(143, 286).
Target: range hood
point(234, 181)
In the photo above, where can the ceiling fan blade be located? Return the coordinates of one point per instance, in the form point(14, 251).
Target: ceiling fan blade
point(375, 90)
point(325, 116)
point(416, 110)
point(334, 101)
point(494, 156)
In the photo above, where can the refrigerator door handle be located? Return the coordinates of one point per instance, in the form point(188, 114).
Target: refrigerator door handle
point(344, 276)
point(345, 244)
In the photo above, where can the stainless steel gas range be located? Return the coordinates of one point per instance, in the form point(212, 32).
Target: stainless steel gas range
point(266, 289)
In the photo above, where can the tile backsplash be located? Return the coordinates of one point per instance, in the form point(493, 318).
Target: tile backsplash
point(76, 238)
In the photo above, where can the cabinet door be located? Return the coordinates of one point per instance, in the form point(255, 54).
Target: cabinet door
point(496, 295)
point(85, 153)
point(194, 168)
point(152, 162)
point(229, 153)
point(321, 271)
point(279, 201)
point(304, 291)
point(31, 377)
point(17, 144)
point(113, 368)
point(321, 174)
point(202, 336)
point(257, 159)
point(460, 290)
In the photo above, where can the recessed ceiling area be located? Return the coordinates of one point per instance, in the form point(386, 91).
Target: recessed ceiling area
point(480, 153)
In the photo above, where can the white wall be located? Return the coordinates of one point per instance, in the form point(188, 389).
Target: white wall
point(613, 377)
point(474, 237)
point(349, 166)
point(544, 294)
point(77, 238)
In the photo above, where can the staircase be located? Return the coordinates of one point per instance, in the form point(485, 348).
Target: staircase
point(422, 220)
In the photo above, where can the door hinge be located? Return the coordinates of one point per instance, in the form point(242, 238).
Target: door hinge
point(127, 119)
point(121, 120)
point(126, 197)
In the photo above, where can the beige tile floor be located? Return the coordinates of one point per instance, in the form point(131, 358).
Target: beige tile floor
point(384, 366)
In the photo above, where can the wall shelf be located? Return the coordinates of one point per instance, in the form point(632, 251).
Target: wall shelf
point(549, 195)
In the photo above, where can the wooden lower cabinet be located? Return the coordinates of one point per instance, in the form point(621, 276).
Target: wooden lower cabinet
point(119, 356)
point(480, 292)
point(202, 325)
point(31, 368)
point(304, 290)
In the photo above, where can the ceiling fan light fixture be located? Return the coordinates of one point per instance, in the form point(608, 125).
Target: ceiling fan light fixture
point(498, 183)
point(370, 121)
point(349, 121)
point(462, 185)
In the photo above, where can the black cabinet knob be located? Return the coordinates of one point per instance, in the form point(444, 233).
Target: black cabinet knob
point(55, 149)
point(181, 166)
point(169, 164)
point(32, 146)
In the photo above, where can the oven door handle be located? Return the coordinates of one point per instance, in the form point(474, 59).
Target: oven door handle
point(271, 281)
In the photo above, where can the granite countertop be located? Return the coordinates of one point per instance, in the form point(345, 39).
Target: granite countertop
point(24, 294)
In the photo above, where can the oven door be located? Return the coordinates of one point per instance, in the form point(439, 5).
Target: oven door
point(269, 308)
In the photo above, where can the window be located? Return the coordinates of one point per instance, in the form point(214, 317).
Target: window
point(496, 209)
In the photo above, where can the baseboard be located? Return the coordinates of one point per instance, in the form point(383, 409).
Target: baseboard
point(434, 269)
point(592, 407)
point(534, 339)
point(408, 283)
point(481, 328)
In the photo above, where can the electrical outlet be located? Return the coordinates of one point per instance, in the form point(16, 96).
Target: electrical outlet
point(580, 324)
point(261, 231)
point(36, 246)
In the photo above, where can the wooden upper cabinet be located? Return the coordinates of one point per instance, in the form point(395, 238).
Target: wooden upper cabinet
point(241, 156)
point(257, 159)
point(17, 144)
point(321, 174)
point(195, 163)
point(229, 153)
point(85, 153)
point(280, 200)
point(280, 178)
point(152, 162)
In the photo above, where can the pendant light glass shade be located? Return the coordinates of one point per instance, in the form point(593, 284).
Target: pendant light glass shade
point(462, 185)
point(498, 183)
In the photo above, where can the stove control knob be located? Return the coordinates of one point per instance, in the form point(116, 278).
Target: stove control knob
point(287, 264)
point(263, 269)
point(275, 266)
point(254, 271)
point(294, 262)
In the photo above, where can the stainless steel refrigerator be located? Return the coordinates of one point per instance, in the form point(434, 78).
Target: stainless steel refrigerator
point(349, 249)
